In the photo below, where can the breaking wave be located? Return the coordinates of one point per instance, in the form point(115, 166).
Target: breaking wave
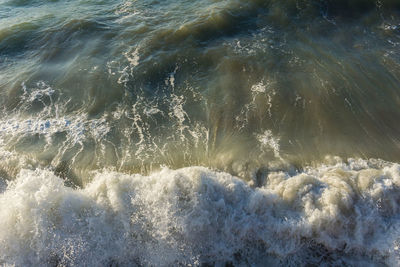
point(336, 214)
point(108, 108)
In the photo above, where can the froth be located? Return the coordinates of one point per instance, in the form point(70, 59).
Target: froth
point(333, 214)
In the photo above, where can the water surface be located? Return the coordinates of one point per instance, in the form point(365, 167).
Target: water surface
point(290, 107)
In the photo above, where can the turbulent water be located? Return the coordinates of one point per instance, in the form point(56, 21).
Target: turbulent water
point(199, 133)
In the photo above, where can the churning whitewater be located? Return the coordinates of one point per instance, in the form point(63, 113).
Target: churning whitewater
point(346, 213)
point(200, 133)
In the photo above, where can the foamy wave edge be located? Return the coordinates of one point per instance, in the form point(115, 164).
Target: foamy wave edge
point(344, 213)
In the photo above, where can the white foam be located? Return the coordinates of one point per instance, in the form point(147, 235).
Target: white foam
point(333, 214)
point(264, 88)
point(269, 142)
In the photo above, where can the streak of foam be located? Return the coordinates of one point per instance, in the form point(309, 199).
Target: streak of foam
point(177, 112)
point(269, 142)
point(264, 88)
point(50, 119)
point(76, 131)
point(42, 90)
point(42, 93)
point(170, 81)
point(337, 214)
point(76, 126)
point(133, 57)
point(49, 129)
point(124, 69)
point(141, 127)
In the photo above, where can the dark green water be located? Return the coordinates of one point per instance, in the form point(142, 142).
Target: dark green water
point(94, 90)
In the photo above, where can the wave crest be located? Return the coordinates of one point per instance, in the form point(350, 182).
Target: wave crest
point(335, 214)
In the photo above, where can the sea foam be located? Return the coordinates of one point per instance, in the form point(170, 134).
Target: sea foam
point(343, 213)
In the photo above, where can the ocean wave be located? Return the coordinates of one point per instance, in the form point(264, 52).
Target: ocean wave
point(335, 214)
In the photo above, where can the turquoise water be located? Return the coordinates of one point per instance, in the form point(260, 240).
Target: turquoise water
point(291, 109)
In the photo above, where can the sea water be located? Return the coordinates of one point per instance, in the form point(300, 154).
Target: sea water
point(199, 133)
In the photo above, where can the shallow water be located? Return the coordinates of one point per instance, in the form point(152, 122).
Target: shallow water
point(290, 107)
